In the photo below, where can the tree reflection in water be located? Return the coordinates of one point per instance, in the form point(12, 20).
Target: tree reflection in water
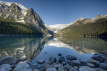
point(21, 47)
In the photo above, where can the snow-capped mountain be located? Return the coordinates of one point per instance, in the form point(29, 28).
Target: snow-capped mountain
point(57, 27)
point(11, 9)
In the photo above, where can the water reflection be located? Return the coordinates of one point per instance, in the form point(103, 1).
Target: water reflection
point(21, 47)
point(54, 47)
point(83, 48)
point(87, 45)
point(30, 47)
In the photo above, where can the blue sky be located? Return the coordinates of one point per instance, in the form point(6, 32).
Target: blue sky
point(65, 11)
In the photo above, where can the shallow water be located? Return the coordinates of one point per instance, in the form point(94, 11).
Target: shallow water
point(43, 47)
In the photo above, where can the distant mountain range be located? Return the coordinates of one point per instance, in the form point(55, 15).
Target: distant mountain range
point(57, 27)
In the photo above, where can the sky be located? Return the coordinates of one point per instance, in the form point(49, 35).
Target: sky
point(65, 11)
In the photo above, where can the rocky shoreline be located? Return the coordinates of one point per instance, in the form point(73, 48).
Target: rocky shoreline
point(98, 62)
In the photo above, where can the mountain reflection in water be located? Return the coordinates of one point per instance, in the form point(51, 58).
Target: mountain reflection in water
point(21, 47)
point(87, 45)
point(82, 49)
point(41, 47)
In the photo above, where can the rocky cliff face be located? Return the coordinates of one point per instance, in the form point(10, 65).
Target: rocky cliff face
point(15, 18)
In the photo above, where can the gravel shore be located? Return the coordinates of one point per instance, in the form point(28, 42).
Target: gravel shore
point(98, 62)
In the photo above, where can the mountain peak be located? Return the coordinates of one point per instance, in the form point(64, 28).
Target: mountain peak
point(10, 3)
point(20, 15)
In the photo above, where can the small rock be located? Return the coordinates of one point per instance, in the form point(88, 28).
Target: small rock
point(69, 62)
point(93, 63)
point(83, 63)
point(76, 63)
point(90, 65)
point(67, 67)
point(36, 70)
point(73, 69)
point(39, 66)
point(23, 66)
point(99, 57)
point(61, 59)
point(69, 57)
point(52, 60)
point(64, 63)
point(103, 66)
point(51, 69)
point(5, 67)
point(86, 68)
point(8, 60)
point(61, 69)
point(57, 66)
point(40, 61)
point(59, 54)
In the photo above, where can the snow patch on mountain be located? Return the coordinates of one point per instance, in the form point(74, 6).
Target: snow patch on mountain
point(9, 3)
point(57, 27)
point(23, 8)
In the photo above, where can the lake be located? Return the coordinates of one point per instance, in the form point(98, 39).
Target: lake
point(45, 47)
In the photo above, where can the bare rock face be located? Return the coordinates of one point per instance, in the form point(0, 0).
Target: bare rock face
point(17, 17)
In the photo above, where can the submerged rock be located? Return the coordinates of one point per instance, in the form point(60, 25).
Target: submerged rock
point(93, 63)
point(40, 61)
point(69, 57)
point(23, 66)
point(51, 69)
point(8, 60)
point(61, 59)
point(52, 60)
point(57, 66)
point(99, 57)
point(103, 66)
point(76, 63)
point(35, 70)
point(86, 68)
point(5, 67)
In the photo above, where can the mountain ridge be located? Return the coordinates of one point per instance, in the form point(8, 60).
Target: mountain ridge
point(85, 28)
point(17, 13)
